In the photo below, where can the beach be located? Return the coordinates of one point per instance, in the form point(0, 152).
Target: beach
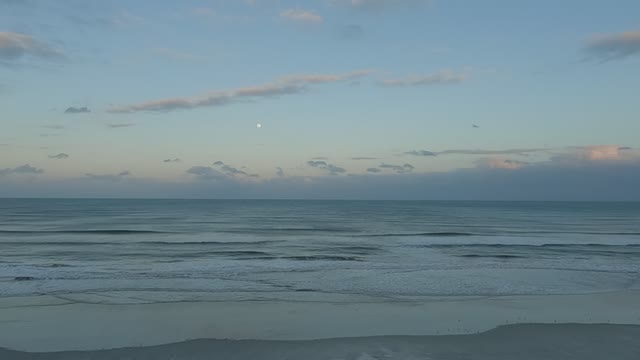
point(52, 324)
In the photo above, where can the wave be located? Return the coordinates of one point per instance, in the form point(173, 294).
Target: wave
point(100, 232)
point(119, 243)
point(438, 234)
point(308, 258)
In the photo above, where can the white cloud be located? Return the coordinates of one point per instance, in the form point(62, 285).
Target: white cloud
point(302, 16)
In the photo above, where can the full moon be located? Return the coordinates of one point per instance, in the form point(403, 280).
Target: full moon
point(258, 125)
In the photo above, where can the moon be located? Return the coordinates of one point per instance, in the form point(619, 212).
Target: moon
point(258, 125)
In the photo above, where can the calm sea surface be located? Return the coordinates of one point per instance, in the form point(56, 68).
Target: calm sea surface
point(137, 251)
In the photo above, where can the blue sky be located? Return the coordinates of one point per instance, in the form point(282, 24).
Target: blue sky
point(163, 98)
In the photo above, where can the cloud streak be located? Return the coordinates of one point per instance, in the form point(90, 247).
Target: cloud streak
point(302, 16)
point(77, 110)
point(109, 177)
point(289, 85)
point(330, 168)
point(21, 170)
point(15, 46)
point(59, 156)
point(611, 47)
point(440, 78)
point(521, 152)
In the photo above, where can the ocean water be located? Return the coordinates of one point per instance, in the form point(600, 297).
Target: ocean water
point(144, 251)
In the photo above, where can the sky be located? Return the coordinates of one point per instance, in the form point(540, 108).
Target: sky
point(323, 99)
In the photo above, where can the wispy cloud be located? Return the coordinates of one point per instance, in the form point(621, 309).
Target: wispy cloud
point(363, 158)
point(289, 85)
point(373, 170)
point(302, 16)
point(59, 156)
point(400, 169)
point(21, 170)
point(522, 152)
point(232, 171)
point(439, 78)
point(378, 4)
point(613, 46)
point(121, 125)
point(77, 110)
point(206, 173)
point(15, 46)
point(110, 177)
point(330, 168)
point(176, 160)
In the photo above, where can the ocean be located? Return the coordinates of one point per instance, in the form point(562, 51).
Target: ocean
point(147, 251)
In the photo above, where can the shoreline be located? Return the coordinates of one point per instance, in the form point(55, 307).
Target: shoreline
point(46, 323)
point(522, 341)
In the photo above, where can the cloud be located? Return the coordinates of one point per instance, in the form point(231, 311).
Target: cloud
point(613, 46)
point(15, 46)
point(379, 4)
point(77, 110)
point(521, 152)
point(59, 156)
point(500, 163)
point(289, 85)
point(578, 175)
point(373, 170)
point(363, 158)
point(122, 125)
point(596, 153)
point(109, 177)
point(232, 171)
point(279, 172)
point(421, 153)
point(332, 169)
point(317, 164)
point(205, 172)
point(319, 158)
point(439, 78)
point(400, 169)
point(21, 170)
point(54, 127)
point(176, 160)
point(351, 32)
point(302, 16)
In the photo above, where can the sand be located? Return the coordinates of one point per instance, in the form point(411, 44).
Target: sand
point(578, 326)
point(522, 342)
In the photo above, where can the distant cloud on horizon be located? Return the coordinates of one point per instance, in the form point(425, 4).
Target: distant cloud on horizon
point(77, 110)
point(109, 177)
point(121, 125)
point(176, 160)
point(522, 152)
point(23, 169)
point(59, 156)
